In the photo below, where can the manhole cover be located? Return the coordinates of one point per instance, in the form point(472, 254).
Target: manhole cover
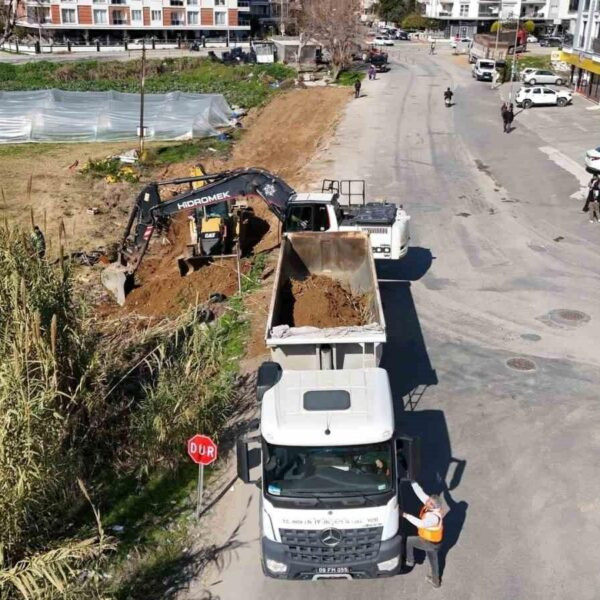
point(521, 364)
point(573, 316)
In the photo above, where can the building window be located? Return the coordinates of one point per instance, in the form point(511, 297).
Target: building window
point(176, 3)
point(38, 14)
point(192, 18)
point(219, 2)
point(100, 17)
point(573, 5)
point(177, 18)
point(118, 18)
point(99, 1)
point(68, 15)
point(219, 18)
point(192, 2)
point(136, 15)
point(157, 15)
point(464, 10)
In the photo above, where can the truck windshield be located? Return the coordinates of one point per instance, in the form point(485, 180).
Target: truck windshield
point(328, 471)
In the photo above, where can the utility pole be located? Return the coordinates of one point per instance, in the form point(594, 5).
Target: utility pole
point(142, 85)
point(514, 61)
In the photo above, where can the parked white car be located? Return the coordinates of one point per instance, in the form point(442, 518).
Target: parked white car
point(592, 159)
point(381, 41)
point(540, 95)
point(531, 39)
point(526, 72)
point(540, 76)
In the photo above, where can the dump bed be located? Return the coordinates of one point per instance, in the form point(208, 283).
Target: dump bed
point(344, 260)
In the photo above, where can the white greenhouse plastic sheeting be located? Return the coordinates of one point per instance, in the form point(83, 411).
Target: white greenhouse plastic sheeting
point(59, 116)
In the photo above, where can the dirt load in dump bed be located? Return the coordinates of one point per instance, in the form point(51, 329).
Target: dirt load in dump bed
point(319, 301)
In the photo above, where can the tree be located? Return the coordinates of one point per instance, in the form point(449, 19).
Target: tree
point(335, 25)
point(8, 18)
point(391, 11)
point(529, 26)
point(415, 21)
point(496, 26)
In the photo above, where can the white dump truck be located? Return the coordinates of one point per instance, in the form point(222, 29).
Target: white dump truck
point(329, 455)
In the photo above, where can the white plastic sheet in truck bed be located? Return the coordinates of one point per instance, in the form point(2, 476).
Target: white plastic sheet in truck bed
point(59, 116)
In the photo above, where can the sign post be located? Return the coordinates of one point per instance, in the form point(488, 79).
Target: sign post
point(203, 451)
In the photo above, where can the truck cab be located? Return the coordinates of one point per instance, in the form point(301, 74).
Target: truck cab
point(333, 209)
point(331, 463)
point(484, 69)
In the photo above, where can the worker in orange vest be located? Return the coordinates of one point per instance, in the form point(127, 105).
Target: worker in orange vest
point(430, 529)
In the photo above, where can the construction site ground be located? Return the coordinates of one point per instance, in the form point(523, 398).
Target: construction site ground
point(281, 137)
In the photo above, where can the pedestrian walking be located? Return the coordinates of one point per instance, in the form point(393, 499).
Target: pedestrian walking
point(594, 203)
point(357, 86)
point(432, 47)
point(38, 241)
point(510, 115)
point(372, 72)
point(593, 191)
point(504, 113)
point(429, 526)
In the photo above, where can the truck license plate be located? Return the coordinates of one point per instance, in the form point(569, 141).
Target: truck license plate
point(332, 570)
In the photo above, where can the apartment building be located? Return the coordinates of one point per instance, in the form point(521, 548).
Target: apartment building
point(582, 50)
point(119, 19)
point(467, 17)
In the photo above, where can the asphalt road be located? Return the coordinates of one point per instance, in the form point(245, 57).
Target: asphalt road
point(499, 248)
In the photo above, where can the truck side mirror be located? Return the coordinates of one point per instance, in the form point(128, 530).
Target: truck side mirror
point(247, 458)
point(269, 374)
point(408, 452)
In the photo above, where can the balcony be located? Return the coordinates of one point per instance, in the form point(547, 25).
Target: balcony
point(177, 22)
point(118, 22)
point(119, 2)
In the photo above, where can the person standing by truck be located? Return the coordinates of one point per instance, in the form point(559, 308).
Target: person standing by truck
point(430, 529)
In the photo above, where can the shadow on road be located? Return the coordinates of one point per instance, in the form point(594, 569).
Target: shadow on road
point(405, 355)
point(441, 474)
point(406, 359)
point(411, 268)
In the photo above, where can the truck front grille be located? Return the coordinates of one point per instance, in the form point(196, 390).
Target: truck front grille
point(356, 545)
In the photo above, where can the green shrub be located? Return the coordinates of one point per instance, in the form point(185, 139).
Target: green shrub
point(243, 85)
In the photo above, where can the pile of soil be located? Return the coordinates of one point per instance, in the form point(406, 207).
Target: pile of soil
point(320, 301)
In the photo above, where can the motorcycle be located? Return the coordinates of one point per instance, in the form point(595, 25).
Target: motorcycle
point(448, 101)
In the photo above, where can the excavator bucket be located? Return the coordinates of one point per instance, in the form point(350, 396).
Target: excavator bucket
point(117, 281)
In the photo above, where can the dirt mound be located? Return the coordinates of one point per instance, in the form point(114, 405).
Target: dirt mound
point(320, 301)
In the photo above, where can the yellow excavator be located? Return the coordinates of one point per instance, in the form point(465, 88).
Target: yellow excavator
point(219, 219)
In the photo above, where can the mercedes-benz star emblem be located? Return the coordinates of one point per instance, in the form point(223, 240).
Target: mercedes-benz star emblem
point(331, 537)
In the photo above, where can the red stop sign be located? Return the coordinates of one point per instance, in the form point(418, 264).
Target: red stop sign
point(202, 449)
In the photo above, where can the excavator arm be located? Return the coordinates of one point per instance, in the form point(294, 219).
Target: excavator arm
point(149, 210)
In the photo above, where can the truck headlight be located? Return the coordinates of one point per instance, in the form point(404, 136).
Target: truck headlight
point(389, 565)
point(275, 566)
